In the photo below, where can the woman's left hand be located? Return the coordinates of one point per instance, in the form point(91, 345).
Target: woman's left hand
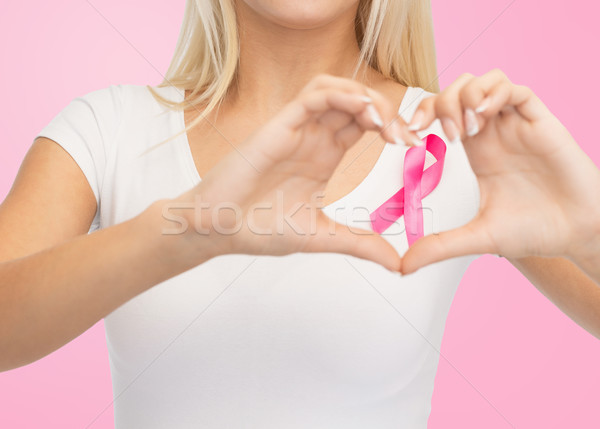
point(538, 190)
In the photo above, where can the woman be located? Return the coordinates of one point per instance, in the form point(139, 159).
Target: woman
point(198, 334)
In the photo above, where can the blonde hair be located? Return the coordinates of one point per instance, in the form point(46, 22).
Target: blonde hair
point(395, 38)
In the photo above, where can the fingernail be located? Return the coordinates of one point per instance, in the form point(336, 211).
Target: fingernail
point(399, 141)
point(396, 129)
point(471, 122)
point(451, 129)
point(366, 99)
point(484, 105)
point(416, 121)
point(417, 141)
point(375, 116)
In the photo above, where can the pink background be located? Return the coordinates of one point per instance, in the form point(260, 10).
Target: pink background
point(517, 351)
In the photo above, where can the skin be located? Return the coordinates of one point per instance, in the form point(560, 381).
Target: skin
point(525, 160)
point(56, 281)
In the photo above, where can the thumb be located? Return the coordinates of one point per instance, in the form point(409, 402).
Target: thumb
point(469, 239)
point(338, 238)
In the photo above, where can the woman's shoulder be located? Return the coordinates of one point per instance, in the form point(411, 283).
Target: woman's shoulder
point(105, 116)
point(109, 102)
point(126, 95)
point(142, 96)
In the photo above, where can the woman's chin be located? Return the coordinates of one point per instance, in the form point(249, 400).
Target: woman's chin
point(302, 15)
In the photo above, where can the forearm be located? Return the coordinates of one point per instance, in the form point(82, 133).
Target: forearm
point(567, 286)
point(50, 297)
point(587, 257)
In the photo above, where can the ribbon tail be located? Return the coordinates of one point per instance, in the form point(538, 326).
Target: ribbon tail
point(388, 213)
point(413, 212)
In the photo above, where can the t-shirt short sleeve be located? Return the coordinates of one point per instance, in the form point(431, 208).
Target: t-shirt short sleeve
point(86, 129)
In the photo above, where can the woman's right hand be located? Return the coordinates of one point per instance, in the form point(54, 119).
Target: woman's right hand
point(264, 197)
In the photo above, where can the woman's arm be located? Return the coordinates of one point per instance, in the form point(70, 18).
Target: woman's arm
point(572, 282)
point(567, 286)
point(56, 281)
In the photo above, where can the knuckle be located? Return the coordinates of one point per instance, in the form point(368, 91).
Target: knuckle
point(442, 102)
point(498, 73)
point(306, 98)
point(504, 87)
point(359, 87)
point(470, 88)
point(428, 102)
point(466, 76)
point(320, 79)
point(525, 89)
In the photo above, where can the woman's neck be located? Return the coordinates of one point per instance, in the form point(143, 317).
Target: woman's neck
point(276, 62)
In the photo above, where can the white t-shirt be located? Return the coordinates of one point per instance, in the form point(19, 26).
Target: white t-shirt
point(301, 341)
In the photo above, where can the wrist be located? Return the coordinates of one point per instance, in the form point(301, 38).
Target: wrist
point(584, 241)
point(172, 224)
point(585, 251)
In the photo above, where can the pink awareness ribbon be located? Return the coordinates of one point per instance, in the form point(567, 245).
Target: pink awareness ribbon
point(417, 185)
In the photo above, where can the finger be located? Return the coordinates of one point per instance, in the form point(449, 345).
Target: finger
point(381, 112)
point(367, 119)
point(296, 113)
point(322, 100)
point(394, 128)
point(344, 108)
point(449, 108)
point(489, 94)
point(335, 120)
point(446, 106)
point(494, 100)
point(349, 134)
point(467, 240)
point(529, 106)
point(408, 137)
point(424, 116)
point(482, 98)
point(520, 97)
point(323, 81)
point(477, 90)
point(339, 238)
